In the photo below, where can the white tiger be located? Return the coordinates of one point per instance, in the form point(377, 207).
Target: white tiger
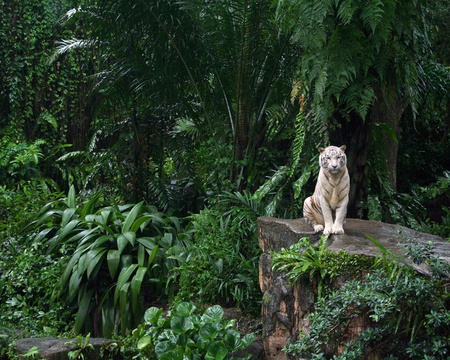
point(327, 207)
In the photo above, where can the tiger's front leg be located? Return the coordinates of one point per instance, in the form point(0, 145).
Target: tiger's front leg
point(341, 212)
point(327, 217)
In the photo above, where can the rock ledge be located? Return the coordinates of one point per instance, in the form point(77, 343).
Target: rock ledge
point(285, 308)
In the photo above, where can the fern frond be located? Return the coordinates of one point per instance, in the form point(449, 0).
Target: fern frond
point(299, 140)
point(372, 13)
point(65, 46)
point(346, 10)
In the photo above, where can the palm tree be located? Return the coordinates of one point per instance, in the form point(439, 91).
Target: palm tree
point(221, 64)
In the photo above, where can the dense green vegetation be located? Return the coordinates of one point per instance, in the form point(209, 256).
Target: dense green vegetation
point(141, 140)
point(407, 313)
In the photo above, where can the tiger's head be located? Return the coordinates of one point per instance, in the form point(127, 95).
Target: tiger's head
point(333, 158)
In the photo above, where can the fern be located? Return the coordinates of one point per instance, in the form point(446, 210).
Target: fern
point(346, 10)
point(372, 14)
point(299, 141)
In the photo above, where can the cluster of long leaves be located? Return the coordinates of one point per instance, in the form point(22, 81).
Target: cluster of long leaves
point(116, 253)
point(189, 334)
point(406, 314)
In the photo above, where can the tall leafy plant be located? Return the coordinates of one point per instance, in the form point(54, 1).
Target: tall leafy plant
point(363, 66)
point(116, 255)
point(234, 92)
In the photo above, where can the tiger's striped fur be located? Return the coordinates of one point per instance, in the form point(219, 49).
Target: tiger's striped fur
point(327, 207)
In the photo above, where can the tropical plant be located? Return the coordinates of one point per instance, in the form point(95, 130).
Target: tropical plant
point(233, 92)
point(83, 347)
point(27, 274)
point(116, 254)
point(317, 264)
point(406, 314)
point(221, 264)
point(187, 333)
point(363, 65)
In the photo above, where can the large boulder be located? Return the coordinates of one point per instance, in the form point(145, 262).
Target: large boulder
point(58, 349)
point(285, 308)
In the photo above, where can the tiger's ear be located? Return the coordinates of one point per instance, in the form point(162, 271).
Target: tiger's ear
point(343, 147)
point(321, 149)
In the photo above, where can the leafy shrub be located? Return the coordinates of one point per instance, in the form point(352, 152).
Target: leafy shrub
point(187, 334)
point(115, 255)
point(317, 263)
point(221, 265)
point(407, 314)
point(26, 279)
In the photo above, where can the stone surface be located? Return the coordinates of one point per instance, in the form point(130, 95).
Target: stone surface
point(57, 349)
point(285, 308)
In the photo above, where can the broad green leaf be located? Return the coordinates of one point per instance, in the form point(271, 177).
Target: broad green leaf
point(67, 229)
point(152, 315)
point(168, 351)
point(113, 259)
point(124, 308)
point(108, 314)
point(141, 255)
point(208, 332)
point(126, 260)
point(70, 267)
point(233, 342)
point(82, 263)
point(131, 237)
point(104, 217)
point(107, 229)
point(43, 234)
point(83, 310)
point(94, 259)
point(131, 217)
point(152, 255)
point(71, 200)
point(185, 309)
point(141, 223)
point(148, 242)
point(135, 288)
point(301, 181)
point(181, 324)
point(122, 243)
point(213, 314)
point(67, 215)
point(248, 339)
point(102, 240)
point(74, 284)
point(216, 351)
point(144, 342)
point(124, 277)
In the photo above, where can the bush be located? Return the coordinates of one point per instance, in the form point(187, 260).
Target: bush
point(115, 254)
point(187, 334)
point(27, 277)
point(222, 262)
point(407, 314)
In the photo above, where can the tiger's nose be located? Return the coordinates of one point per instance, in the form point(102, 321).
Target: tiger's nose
point(334, 166)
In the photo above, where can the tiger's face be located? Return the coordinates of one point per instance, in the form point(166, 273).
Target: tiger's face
point(333, 158)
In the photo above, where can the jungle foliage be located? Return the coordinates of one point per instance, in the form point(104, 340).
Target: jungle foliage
point(141, 140)
point(406, 313)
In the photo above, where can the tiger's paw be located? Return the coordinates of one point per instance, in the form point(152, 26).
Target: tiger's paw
point(327, 230)
point(338, 230)
point(318, 228)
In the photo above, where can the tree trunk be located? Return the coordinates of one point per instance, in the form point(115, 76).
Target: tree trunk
point(355, 134)
point(387, 112)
